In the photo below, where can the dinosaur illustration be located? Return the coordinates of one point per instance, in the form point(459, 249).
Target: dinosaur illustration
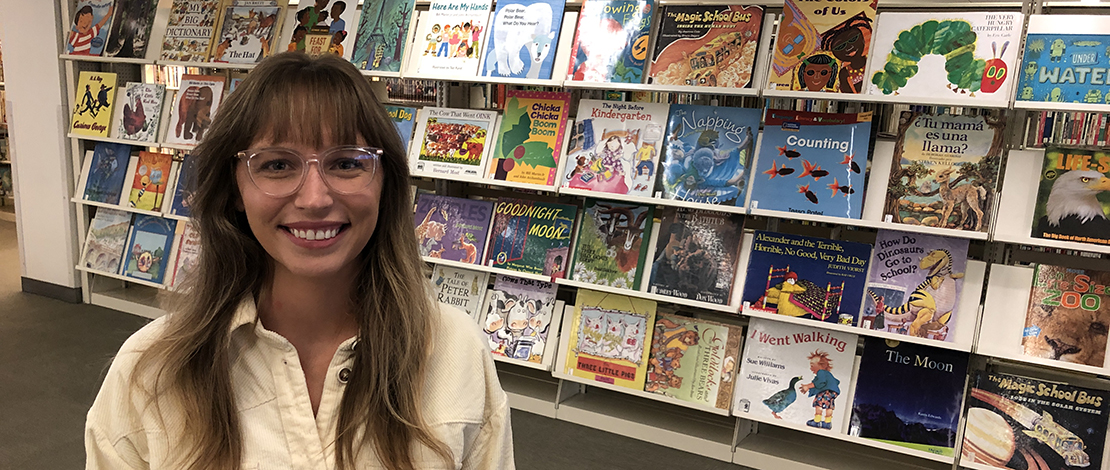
point(930, 306)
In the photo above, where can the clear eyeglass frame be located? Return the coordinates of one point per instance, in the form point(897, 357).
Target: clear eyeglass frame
point(281, 172)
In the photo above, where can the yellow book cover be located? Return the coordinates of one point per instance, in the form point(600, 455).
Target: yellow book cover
point(92, 110)
point(148, 183)
point(822, 45)
point(607, 337)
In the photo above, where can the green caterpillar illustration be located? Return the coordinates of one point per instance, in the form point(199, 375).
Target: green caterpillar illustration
point(952, 39)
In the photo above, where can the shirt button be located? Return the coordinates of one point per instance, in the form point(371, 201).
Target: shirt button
point(344, 375)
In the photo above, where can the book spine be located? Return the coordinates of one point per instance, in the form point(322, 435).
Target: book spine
point(1040, 129)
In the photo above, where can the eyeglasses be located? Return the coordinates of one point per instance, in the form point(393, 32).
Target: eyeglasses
point(280, 172)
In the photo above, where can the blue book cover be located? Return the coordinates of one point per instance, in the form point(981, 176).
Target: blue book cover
point(380, 41)
point(1065, 60)
point(909, 395)
point(87, 33)
point(531, 236)
point(182, 190)
point(405, 119)
point(806, 277)
point(708, 152)
point(522, 39)
point(148, 248)
point(107, 172)
point(811, 163)
point(611, 42)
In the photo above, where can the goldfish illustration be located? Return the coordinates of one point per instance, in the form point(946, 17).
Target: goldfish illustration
point(812, 170)
point(775, 171)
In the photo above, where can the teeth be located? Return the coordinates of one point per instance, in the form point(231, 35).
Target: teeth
point(313, 235)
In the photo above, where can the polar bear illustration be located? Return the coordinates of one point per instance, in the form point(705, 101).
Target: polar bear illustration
point(516, 27)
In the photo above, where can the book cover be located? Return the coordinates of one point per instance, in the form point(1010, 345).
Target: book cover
point(708, 153)
point(382, 29)
point(191, 27)
point(462, 288)
point(945, 170)
point(1073, 197)
point(323, 28)
point(193, 108)
point(452, 141)
point(182, 191)
point(531, 236)
point(812, 146)
point(106, 240)
point(522, 39)
point(914, 287)
point(822, 46)
point(806, 277)
point(1068, 316)
point(104, 181)
point(530, 138)
point(129, 34)
point(614, 147)
point(138, 117)
point(965, 54)
point(693, 360)
point(612, 243)
point(148, 183)
point(88, 32)
point(797, 374)
point(452, 228)
point(518, 316)
point(1029, 424)
point(404, 118)
point(246, 32)
point(92, 115)
point(607, 338)
point(188, 253)
point(909, 395)
point(148, 248)
point(452, 37)
point(706, 45)
point(696, 255)
point(611, 41)
point(1062, 53)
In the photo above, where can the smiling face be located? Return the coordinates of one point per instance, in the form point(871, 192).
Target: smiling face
point(816, 76)
point(84, 22)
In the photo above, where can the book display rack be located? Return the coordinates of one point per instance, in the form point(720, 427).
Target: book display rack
point(820, 243)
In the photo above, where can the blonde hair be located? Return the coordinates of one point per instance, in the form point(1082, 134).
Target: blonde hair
point(294, 98)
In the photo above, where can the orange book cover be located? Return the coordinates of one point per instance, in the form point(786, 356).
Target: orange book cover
point(148, 183)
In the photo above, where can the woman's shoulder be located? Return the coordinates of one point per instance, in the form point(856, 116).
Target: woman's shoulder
point(142, 339)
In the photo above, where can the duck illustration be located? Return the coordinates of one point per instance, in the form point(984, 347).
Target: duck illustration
point(782, 398)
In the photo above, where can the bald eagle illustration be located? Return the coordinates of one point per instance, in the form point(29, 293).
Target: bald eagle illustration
point(1073, 207)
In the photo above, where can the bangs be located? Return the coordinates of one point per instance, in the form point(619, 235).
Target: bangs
point(306, 106)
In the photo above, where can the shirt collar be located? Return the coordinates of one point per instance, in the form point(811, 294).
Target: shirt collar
point(247, 314)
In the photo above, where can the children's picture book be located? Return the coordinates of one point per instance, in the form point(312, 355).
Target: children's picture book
point(822, 46)
point(88, 31)
point(453, 141)
point(708, 153)
point(94, 98)
point(612, 243)
point(148, 248)
point(246, 32)
point(522, 39)
point(806, 277)
point(909, 395)
point(915, 284)
point(945, 170)
point(452, 37)
point(1068, 316)
point(800, 152)
point(382, 32)
point(615, 146)
point(462, 288)
point(138, 116)
point(323, 27)
point(706, 45)
point(693, 360)
point(1028, 423)
point(130, 31)
point(697, 254)
point(530, 138)
point(1061, 54)
point(191, 27)
point(930, 55)
point(518, 317)
point(106, 240)
point(1073, 197)
point(148, 182)
point(452, 228)
point(187, 253)
point(798, 375)
point(182, 191)
point(404, 118)
point(531, 236)
point(106, 172)
point(608, 339)
point(611, 41)
point(194, 106)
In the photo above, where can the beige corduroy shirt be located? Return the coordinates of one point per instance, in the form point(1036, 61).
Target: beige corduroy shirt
point(463, 404)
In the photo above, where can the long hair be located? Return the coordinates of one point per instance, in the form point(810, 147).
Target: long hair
point(293, 98)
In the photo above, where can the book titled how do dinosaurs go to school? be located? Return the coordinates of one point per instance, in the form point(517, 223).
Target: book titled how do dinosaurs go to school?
point(1073, 196)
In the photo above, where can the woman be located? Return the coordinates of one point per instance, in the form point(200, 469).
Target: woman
point(308, 338)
